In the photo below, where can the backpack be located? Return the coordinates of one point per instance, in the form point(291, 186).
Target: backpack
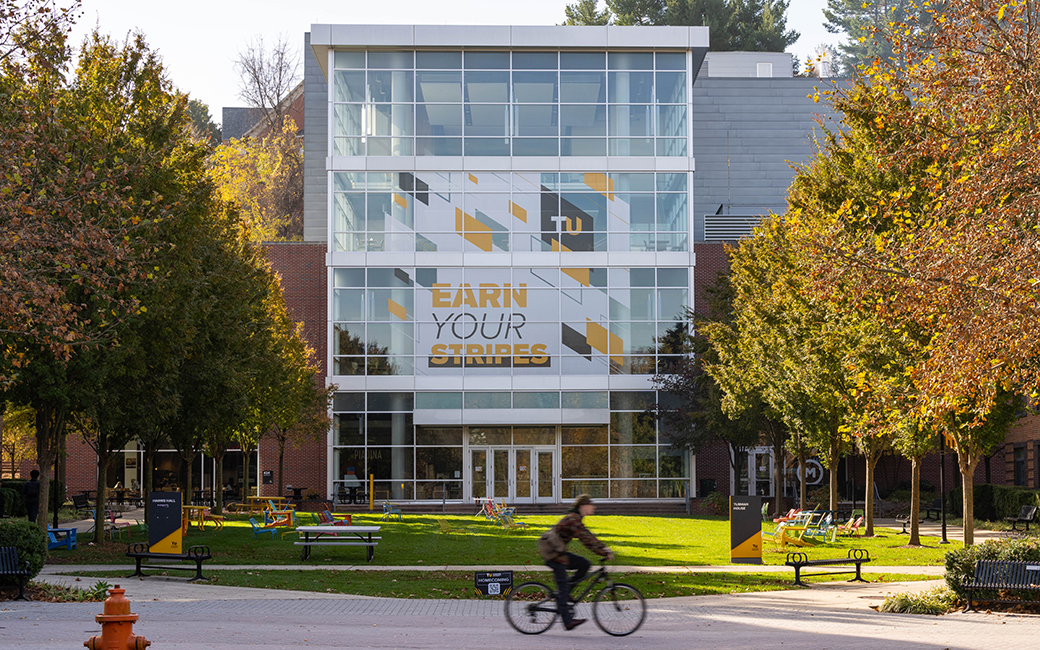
point(551, 545)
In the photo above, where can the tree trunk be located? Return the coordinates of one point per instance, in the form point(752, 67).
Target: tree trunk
point(915, 501)
point(148, 484)
point(778, 473)
point(103, 461)
point(834, 457)
point(868, 492)
point(59, 473)
point(279, 435)
point(188, 468)
point(218, 479)
point(803, 480)
point(247, 456)
point(967, 466)
point(50, 429)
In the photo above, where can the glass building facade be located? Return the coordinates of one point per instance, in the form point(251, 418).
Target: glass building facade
point(509, 258)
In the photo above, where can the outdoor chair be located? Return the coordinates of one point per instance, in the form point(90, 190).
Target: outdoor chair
point(849, 528)
point(506, 521)
point(330, 519)
point(446, 528)
point(391, 510)
point(258, 529)
point(1025, 516)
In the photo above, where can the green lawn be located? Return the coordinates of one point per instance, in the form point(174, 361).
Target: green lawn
point(636, 541)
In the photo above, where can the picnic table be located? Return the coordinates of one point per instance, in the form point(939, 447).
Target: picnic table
point(338, 536)
point(196, 514)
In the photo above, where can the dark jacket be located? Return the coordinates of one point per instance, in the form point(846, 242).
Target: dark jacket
point(31, 491)
point(571, 526)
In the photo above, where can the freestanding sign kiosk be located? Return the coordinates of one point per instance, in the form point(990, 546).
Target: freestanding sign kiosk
point(745, 530)
point(164, 522)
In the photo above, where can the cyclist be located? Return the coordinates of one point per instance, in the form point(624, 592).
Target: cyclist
point(560, 561)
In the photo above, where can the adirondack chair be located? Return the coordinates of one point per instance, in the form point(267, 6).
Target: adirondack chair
point(259, 530)
point(849, 528)
point(446, 528)
point(391, 510)
point(506, 521)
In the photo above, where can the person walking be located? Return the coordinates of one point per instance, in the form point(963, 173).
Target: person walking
point(31, 495)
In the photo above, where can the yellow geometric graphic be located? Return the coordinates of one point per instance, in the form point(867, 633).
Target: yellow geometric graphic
point(581, 275)
point(473, 179)
point(397, 309)
point(602, 184)
point(604, 341)
point(518, 212)
point(751, 548)
point(473, 231)
point(557, 246)
point(401, 201)
point(169, 544)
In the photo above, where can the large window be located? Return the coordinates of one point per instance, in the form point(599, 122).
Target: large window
point(501, 321)
point(501, 212)
point(404, 103)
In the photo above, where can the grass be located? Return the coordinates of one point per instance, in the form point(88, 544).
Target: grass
point(636, 541)
point(459, 584)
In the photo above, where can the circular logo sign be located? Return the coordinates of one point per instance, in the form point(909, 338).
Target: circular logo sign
point(813, 472)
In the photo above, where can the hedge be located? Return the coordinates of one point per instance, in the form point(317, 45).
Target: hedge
point(994, 502)
point(30, 541)
point(11, 502)
point(960, 563)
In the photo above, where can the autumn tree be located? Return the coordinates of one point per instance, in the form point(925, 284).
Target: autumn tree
point(867, 28)
point(268, 72)
point(17, 435)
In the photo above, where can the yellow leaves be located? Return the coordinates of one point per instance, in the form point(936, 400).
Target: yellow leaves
point(1000, 12)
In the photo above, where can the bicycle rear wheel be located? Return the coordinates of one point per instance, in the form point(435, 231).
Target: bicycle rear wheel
point(619, 609)
point(531, 608)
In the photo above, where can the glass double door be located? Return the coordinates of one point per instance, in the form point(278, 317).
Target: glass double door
point(516, 474)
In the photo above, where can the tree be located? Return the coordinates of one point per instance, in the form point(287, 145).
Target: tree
point(585, 12)
point(17, 436)
point(267, 74)
point(202, 122)
point(748, 25)
point(263, 176)
point(868, 28)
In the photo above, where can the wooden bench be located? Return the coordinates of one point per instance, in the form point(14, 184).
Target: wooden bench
point(1003, 575)
point(10, 566)
point(196, 554)
point(799, 561)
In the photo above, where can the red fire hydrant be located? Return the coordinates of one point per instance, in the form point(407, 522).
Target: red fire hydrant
point(117, 625)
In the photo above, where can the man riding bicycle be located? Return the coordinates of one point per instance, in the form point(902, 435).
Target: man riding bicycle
point(553, 548)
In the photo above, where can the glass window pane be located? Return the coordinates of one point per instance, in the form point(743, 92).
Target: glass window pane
point(631, 61)
point(487, 120)
point(673, 278)
point(433, 463)
point(632, 428)
point(395, 464)
point(671, 182)
point(439, 435)
point(631, 87)
point(438, 60)
point(348, 211)
point(487, 60)
point(350, 86)
point(487, 146)
point(631, 400)
point(671, 88)
point(535, 147)
point(631, 121)
point(390, 401)
point(583, 87)
point(347, 119)
point(534, 435)
point(489, 435)
point(438, 119)
point(671, 60)
point(348, 181)
point(585, 400)
point(350, 60)
point(348, 304)
point(487, 87)
point(350, 366)
point(671, 121)
point(630, 147)
point(633, 462)
point(438, 401)
point(390, 86)
point(536, 120)
point(349, 339)
point(348, 402)
point(438, 146)
point(633, 182)
point(348, 147)
point(349, 429)
point(390, 59)
point(671, 146)
point(583, 462)
point(536, 400)
point(487, 401)
point(438, 87)
point(534, 60)
point(582, 60)
point(390, 119)
point(583, 147)
point(672, 214)
point(587, 120)
point(673, 303)
point(584, 435)
point(535, 87)
point(349, 278)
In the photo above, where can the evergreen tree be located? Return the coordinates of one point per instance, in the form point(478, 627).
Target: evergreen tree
point(866, 26)
point(585, 12)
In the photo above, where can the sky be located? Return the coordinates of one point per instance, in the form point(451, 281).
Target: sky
point(199, 41)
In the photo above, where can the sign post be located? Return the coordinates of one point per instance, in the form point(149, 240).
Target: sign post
point(164, 522)
point(745, 530)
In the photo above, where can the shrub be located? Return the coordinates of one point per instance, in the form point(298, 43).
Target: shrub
point(936, 601)
point(984, 510)
point(11, 502)
point(718, 502)
point(960, 563)
point(30, 541)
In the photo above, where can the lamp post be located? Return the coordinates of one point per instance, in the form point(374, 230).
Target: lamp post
point(942, 485)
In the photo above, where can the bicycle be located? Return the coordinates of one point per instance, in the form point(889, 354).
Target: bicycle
point(618, 608)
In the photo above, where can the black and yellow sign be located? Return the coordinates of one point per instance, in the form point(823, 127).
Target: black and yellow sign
point(493, 583)
point(745, 530)
point(164, 522)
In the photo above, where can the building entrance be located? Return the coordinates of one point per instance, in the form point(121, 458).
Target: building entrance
point(516, 474)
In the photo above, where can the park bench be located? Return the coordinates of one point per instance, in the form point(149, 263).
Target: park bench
point(800, 561)
point(936, 508)
point(196, 554)
point(1003, 576)
point(1025, 516)
point(10, 566)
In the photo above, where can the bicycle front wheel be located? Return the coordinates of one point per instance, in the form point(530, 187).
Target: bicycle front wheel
point(531, 608)
point(619, 609)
